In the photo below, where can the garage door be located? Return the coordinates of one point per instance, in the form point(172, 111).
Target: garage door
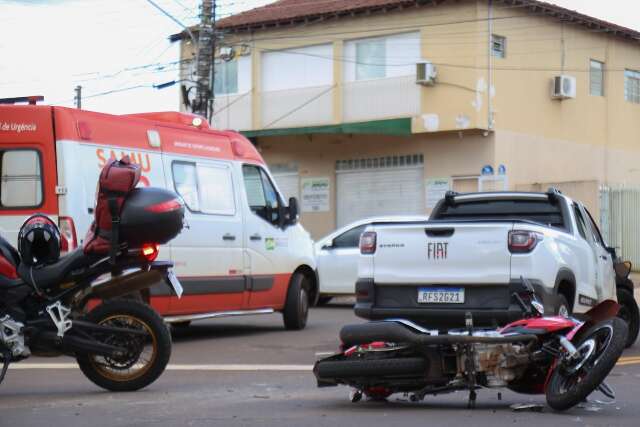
point(391, 185)
point(287, 181)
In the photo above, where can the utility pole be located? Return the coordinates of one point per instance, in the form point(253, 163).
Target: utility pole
point(78, 97)
point(204, 64)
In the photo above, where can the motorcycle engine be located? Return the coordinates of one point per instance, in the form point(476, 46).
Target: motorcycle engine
point(12, 338)
point(501, 363)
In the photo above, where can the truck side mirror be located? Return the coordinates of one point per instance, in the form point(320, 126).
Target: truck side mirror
point(292, 216)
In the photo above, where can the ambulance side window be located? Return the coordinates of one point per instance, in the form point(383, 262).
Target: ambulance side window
point(261, 195)
point(205, 188)
point(20, 179)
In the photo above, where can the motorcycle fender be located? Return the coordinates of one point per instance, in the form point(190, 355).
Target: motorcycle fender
point(607, 309)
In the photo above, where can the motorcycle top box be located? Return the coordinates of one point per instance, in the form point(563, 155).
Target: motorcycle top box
point(150, 215)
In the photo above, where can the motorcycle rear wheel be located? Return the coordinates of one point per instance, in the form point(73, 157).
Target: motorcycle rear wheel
point(570, 383)
point(147, 356)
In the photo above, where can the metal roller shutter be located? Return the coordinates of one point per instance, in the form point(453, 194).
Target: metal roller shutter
point(382, 186)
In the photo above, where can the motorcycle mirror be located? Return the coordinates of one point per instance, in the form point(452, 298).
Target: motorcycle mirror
point(538, 306)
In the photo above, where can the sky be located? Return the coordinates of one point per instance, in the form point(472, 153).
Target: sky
point(117, 49)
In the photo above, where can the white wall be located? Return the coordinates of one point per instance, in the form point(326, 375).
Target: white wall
point(297, 68)
point(402, 53)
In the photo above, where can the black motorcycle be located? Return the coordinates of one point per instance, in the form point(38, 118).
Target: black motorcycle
point(90, 303)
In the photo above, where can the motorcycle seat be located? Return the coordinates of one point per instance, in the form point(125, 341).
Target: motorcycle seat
point(44, 277)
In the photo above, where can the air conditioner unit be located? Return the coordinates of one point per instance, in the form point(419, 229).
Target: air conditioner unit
point(564, 87)
point(426, 73)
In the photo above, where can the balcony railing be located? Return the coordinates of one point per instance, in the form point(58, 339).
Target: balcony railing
point(380, 99)
point(232, 112)
point(297, 107)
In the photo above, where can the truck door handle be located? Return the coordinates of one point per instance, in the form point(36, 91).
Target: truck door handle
point(255, 237)
point(228, 236)
point(604, 257)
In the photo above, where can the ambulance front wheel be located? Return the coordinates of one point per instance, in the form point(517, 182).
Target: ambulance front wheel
point(296, 307)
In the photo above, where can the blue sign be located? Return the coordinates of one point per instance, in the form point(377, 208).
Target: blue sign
point(502, 170)
point(487, 170)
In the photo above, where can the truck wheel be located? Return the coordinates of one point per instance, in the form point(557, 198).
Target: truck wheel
point(296, 307)
point(562, 306)
point(629, 313)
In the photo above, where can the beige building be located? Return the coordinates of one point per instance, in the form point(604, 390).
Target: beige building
point(377, 107)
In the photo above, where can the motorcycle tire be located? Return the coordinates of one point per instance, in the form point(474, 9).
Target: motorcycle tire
point(371, 368)
point(116, 375)
point(630, 314)
point(566, 390)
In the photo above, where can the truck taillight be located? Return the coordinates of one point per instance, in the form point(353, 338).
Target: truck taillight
point(522, 241)
point(368, 242)
point(68, 237)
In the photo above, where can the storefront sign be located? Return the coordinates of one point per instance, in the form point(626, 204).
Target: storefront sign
point(436, 188)
point(315, 194)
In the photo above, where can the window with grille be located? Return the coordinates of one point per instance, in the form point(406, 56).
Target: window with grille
point(596, 78)
point(381, 162)
point(498, 46)
point(632, 86)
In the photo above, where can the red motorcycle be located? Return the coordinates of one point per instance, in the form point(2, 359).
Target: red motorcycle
point(562, 357)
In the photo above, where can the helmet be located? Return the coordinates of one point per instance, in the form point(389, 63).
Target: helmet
point(39, 240)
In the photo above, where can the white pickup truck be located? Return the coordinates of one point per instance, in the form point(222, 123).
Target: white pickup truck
point(473, 253)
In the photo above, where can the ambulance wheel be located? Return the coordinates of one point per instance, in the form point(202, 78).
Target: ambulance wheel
point(296, 307)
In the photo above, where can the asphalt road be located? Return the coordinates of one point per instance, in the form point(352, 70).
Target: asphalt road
point(250, 371)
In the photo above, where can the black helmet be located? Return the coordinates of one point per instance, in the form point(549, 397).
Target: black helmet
point(39, 240)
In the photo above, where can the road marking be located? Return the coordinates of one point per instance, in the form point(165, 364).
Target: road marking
point(220, 367)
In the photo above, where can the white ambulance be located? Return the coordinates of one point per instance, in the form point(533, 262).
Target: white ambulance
point(242, 250)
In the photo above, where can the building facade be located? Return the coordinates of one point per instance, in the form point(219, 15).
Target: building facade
point(379, 106)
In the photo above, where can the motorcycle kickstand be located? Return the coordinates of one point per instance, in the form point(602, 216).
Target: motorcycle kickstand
point(6, 360)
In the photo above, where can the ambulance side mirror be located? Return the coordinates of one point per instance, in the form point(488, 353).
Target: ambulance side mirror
point(292, 211)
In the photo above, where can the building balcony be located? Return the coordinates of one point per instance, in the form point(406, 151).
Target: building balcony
point(233, 112)
point(378, 99)
point(311, 106)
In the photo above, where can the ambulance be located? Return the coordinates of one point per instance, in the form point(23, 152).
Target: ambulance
point(242, 250)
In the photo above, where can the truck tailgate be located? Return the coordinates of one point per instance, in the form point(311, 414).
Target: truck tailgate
point(442, 253)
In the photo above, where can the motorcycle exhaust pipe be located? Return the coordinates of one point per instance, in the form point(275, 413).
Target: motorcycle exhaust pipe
point(351, 335)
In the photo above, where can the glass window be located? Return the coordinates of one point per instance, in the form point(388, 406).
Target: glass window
point(186, 184)
point(632, 86)
point(498, 46)
point(350, 238)
point(582, 226)
point(225, 80)
point(215, 190)
point(596, 231)
point(205, 188)
point(371, 56)
point(596, 73)
point(261, 195)
point(21, 179)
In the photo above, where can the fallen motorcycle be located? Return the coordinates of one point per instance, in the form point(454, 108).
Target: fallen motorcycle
point(120, 344)
point(562, 357)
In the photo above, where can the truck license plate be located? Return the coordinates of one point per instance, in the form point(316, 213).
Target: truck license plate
point(441, 295)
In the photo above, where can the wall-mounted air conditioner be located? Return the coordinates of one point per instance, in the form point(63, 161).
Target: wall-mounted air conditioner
point(426, 73)
point(564, 87)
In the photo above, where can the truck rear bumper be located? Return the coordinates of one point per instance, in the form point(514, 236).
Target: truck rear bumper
point(490, 305)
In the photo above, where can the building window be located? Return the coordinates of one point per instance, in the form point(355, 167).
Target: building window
point(371, 58)
point(226, 77)
point(498, 46)
point(596, 72)
point(632, 86)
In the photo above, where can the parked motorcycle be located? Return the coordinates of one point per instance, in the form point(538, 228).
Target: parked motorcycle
point(562, 357)
point(121, 344)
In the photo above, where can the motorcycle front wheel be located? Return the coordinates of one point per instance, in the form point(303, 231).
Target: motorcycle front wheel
point(147, 354)
point(598, 351)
